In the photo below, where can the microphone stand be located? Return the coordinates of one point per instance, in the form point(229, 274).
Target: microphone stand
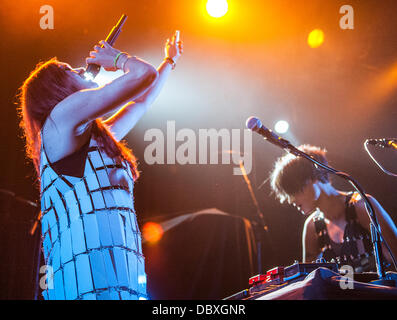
point(32, 233)
point(376, 234)
point(260, 220)
point(393, 144)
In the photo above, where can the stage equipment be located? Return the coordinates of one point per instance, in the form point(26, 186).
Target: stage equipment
point(319, 280)
point(93, 69)
point(20, 248)
point(208, 254)
point(255, 124)
point(383, 143)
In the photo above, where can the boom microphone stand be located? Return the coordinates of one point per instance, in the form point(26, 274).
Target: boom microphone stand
point(383, 143)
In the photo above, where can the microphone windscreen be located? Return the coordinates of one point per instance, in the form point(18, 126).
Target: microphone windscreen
point(253, 123)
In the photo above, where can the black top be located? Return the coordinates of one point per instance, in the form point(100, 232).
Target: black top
point(356, 248)
point(73, 164)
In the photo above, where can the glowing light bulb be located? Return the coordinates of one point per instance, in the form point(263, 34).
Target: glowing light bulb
point(152, 232)
point(315, 38)
point(281, 126)
point(217, 8)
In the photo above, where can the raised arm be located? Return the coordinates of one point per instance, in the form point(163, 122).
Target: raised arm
point(129, 114)
point(84, 106)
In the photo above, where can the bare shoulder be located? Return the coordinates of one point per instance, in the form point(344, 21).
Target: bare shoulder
point(360, 202)
point(361, 210)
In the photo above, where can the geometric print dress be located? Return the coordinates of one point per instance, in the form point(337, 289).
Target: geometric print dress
point(91, 240)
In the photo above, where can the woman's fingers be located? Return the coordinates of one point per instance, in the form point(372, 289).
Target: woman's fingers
point(180, 46)
point(105, 44)
point(93, 53)
point(90, 60)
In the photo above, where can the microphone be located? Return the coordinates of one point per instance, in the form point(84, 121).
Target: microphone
point(383, 143)
point(93, 69)
point(255, 124)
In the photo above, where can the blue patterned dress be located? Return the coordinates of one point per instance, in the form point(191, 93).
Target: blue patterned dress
point(91, 240)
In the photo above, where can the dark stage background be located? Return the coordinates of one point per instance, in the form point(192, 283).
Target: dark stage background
point(254, 61)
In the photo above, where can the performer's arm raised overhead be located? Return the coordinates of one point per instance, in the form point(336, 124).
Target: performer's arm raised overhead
point(126, 118)
point(79, 109)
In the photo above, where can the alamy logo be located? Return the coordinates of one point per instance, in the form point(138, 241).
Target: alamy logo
point(47, 20)
point(205, 148)
point(347, 280)
point(47, 280)
point(347, 20)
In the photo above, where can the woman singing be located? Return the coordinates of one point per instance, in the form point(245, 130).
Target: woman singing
point(91, 240)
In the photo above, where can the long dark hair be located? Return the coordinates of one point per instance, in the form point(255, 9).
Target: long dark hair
point(47, 85)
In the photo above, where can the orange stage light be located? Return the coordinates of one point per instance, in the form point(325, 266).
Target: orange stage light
point(152, 232)
point(315, 38)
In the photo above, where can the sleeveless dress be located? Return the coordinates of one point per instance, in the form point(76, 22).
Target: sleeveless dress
point(355, 250)
point(91, 240)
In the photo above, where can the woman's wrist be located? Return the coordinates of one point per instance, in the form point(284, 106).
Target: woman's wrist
point(116, 58)
point(121, 61)
point(170, 61)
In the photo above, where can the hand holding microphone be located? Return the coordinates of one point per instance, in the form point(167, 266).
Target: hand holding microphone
point(93, 68)
point(105, 56)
